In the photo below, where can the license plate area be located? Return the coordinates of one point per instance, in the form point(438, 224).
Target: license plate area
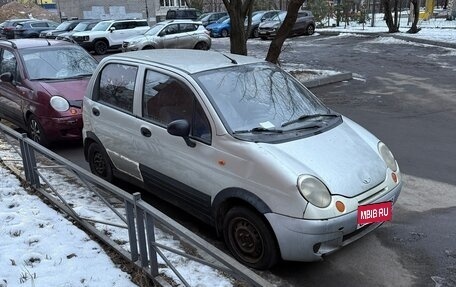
point(376, 212)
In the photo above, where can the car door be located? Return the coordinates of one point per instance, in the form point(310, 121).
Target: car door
point(171, 36)
point(11, 100)
point(187, 37)
point(301, 22)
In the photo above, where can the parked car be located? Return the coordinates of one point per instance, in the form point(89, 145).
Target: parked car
point(32, 29)
point(211, 17)
point(242, 145)
point(183, 34)
point(65, 26)
point(259, 17)
point(110, 34)
point(86, 25)
point(304, 25)
point(7, 30)
point(221, 28)
point(42, 83)
point(186, 13)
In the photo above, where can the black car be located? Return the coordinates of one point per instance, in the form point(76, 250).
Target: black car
point(32, 29)
point(257, 18)
point(86, 25)
point(189, 13)
point(7, 30)
point(65, 26)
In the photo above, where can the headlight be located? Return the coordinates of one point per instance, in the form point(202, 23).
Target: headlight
point(387, 156)
point(59, 104)
point(314, 191)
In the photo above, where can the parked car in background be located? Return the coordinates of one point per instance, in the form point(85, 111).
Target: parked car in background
point(221, 28)
point(211, 17)
point(7, 30)
point(42, 83)
point(304, 25)
point(259, 17)
point(183, 34)
point(63, 27)
point(32, 29)
point(242, 145)
point(110, 34)
point(185, 13)
point(86, 25)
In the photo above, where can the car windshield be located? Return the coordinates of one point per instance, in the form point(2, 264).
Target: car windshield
point(279, 17)
point(102, 26)
point(81, 27)
point(154, 30)
point(58, 63)
point(261, 97)
point(222, 19)
point(63, 26)
point(202, 16)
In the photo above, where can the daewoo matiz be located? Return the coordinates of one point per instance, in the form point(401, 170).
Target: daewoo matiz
point(242, 145)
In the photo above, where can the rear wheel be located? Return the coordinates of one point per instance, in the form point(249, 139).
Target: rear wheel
point(255, 33)
point(224, 33)
point(100, 47)
point(35, 131)
point(249, 239)
point(310, 30)
point(201, 46)
point(99, 162)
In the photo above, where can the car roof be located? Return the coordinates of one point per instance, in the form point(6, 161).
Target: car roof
point(189, 61)
point(33, 43)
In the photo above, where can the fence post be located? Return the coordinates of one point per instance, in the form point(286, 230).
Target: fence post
point(141, 231)
point(130, 210)
point(29, 162)
point(150, 229)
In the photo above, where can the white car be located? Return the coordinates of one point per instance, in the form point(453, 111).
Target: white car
point(182, 34)
point(242, 145)
point(109, 34)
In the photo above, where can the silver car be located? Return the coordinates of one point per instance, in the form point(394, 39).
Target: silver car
point(182, 34)
point(242, 145)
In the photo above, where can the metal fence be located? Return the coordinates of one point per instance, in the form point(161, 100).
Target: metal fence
point(41, 168)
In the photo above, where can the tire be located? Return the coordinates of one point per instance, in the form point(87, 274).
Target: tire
point(264, 38)
point(224, 33)
point(310, 30)
point(100, 47)
point(99, 162)
point(255, 33)
point(35, 131)
point(249, 239)
point(201, 46)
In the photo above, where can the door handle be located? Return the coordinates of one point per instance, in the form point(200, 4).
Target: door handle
point(95, 112)
point(146, 132)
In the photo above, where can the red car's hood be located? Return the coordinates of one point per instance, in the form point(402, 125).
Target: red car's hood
point(72, 90)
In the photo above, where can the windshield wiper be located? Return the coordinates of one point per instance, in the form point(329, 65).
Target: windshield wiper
point(306, 117)
point(259, 130)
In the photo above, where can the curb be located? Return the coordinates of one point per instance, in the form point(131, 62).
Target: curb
point(328, 80)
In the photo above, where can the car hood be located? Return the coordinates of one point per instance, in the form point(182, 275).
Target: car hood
point(73, 90)
point(137, 38)
point(345, 158)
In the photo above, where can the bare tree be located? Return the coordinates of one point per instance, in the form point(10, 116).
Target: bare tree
point(276, 44)
point(392, 22)
point(416, 14)
point(238, 11)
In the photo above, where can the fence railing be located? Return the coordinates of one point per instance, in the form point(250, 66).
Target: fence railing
point(138, 221)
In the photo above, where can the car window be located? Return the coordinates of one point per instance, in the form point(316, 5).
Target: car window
point(172, 29)
point(166, 99)
point(8, 62)
point(40, 24)
point(120, 25)
point(187, 27)
point(117, 86)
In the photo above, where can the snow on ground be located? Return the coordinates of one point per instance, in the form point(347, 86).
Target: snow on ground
point(40, 247)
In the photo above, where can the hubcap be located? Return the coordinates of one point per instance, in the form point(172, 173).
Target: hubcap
point(35, 131)
point(246, 240)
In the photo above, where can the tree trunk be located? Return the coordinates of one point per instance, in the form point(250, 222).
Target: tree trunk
point(416, 14)
point(392, 28)
point(238, 10)
point(276, 44)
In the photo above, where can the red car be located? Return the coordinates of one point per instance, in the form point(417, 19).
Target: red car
point(42, 84)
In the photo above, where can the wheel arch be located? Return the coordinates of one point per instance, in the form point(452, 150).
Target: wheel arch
point(231, 197)
point(89, 139)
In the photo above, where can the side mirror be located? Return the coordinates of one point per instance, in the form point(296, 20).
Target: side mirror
point(112, 29)
point(181, 128)
point(7, 77)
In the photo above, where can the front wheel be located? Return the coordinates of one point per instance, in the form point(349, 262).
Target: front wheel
point(202, 46)
point(224, 33)
point(35, 131)
point(310, 30)
point(99, 162)
point(255, 33)
point(249, 239)
point(100, 47)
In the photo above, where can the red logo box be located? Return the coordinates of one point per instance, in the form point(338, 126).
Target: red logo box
point(377, 212)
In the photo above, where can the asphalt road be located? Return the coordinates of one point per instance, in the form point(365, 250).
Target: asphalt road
point(406, 95)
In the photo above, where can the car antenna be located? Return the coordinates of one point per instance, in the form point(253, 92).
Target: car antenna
point(233, 61)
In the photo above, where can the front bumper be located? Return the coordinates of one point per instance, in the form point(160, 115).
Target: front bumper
point(63, 128)
point(308, 240)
